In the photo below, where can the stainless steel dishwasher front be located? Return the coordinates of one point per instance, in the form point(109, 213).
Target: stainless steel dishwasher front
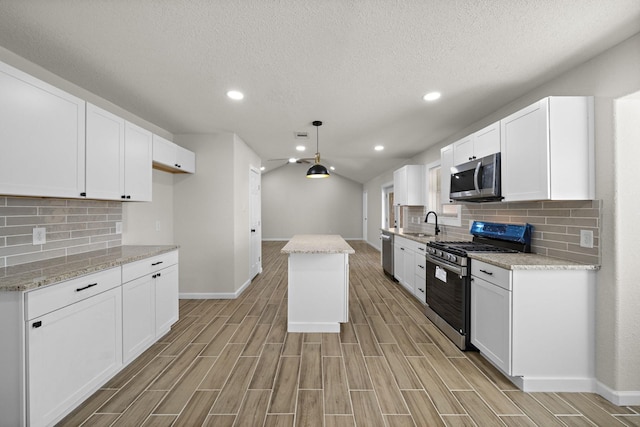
point(387, 252)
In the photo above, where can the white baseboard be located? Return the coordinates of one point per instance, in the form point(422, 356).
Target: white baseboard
point(619, 398)
point(215, 295)
point(313, 327)
point(568, 385)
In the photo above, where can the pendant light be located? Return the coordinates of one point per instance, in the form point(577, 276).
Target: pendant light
point(317, 170)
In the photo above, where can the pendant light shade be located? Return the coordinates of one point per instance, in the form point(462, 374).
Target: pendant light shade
point(317, 170)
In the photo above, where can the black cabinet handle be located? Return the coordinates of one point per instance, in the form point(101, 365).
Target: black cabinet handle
point(402, 249)
point(421, 266)
point(421, 290)
point(123, 197)
point(157, 263)
point(37, 324)
point(156, 275)
point(253, 230)
point(83, 194)
point(129, 196)
point(177, 165)
point(421, 249)
point(487, 272)
point(86, 287)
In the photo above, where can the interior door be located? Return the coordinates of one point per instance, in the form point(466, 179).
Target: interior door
point(256, 223)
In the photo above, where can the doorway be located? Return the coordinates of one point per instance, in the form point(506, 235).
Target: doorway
point(256, 222)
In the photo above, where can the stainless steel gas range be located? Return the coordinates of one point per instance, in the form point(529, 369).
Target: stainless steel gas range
point(448, 274)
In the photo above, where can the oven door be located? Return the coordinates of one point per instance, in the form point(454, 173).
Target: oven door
point(447, 292)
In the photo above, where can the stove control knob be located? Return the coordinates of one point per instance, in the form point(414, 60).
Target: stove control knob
point(439, 253)
point(452, 258)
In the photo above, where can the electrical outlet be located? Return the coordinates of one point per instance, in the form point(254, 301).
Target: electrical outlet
point(157, 225)
point(119, 227)
point(586, 238)
point(39, 235)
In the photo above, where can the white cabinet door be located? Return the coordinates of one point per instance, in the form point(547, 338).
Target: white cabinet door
point(408, 185)
point(166, 299)
point(170, 157)
point(420, 288)
point(70, 353)
point(137, 163)
point(479, 144)
point(138, 316)
point(446, 162)
point(463, 150)
point(525, 154)
point(491, 322)
point(400, 187)
point(486, 141)
point(186, 160)
point(105, 154)
point(409, 270)
point(398, 261)
point(547, 151)
point(42, 130)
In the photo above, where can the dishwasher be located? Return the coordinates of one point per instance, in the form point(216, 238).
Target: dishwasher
point(387, 252)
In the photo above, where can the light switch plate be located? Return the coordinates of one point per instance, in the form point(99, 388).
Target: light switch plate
point(119, 227)
point(39, 235)
point(586, 238)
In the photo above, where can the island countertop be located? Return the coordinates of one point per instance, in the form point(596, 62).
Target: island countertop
point(317, 244)
point(36, 274)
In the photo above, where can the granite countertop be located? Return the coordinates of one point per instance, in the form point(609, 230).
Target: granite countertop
point(317, 244)
point(33, 275)
point(522, 261)
point(418, 237)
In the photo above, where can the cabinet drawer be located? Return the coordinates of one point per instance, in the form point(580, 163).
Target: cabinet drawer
point(496, 275)
point(42, 301)
point(149, 265)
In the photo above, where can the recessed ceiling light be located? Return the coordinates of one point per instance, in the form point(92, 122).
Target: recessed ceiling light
point(332, 168)
point(293, 160)
point(378, 148)
point(432, 96)
point(234, 94)
point(301, 148)
point(262, 168)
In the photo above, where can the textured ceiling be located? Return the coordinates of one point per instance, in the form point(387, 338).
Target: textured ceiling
point(359, 66)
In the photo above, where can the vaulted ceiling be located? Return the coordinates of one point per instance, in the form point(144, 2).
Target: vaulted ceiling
point(360, 66)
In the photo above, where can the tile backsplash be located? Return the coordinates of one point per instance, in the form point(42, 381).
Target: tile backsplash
point(556, 224)
point(72, 226)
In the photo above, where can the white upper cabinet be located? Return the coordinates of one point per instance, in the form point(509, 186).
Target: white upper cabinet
point(446, 162)
point(105, 154)
point(42, 132)
point(170, 157)
point(479, 144)
point(408, 185)
point(138, 160)
point(118, 158)
point(548, 152)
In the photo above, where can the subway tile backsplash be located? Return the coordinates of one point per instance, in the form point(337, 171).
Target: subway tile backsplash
point(72, 227)
point(556, 225)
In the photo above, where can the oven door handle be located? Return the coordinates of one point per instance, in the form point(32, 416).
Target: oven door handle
point(454, 269)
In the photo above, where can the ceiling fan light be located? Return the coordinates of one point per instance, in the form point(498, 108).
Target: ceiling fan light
point(317, 171)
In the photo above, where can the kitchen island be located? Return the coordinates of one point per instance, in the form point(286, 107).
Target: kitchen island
point(318, 289)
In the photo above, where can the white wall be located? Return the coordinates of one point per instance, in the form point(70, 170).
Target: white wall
point(611, 75)
point(293, 204)
point(139, 219)
point(627, 231)
point(203, 216)
point(211, 216)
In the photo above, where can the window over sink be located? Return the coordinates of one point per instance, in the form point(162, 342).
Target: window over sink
point(448, 214)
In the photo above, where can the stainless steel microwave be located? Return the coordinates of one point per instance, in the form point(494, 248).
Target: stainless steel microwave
point(477, 180)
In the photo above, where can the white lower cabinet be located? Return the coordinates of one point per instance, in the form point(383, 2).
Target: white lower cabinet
point(62, 342)
point(72, 350)
point(536, 325)
point(409, 266)
point(149, 301)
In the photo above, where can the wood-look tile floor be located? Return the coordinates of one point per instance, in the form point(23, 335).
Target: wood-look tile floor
point(232, 363)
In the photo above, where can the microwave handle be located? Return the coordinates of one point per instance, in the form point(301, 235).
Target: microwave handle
point(475, 176)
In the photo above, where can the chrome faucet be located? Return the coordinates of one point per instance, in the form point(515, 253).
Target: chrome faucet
point(436, 215)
